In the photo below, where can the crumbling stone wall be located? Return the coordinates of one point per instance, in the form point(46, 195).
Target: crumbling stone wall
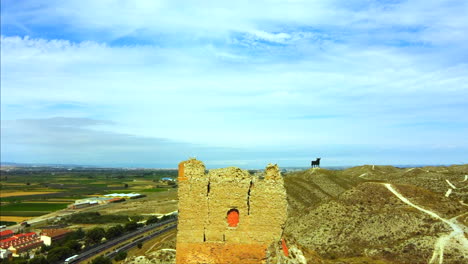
point(228, 215)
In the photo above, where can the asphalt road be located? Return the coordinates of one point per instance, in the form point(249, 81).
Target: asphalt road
point(101, 247)
point(139, 240)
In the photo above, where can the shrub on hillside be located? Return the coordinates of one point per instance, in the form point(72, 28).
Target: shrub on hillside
point(59, 253)
point(96, 218)
point(114, 231)
point(101, 260)
point(120, 256)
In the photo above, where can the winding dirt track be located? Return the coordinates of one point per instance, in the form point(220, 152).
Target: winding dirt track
point(450, 184)
point(456, 235)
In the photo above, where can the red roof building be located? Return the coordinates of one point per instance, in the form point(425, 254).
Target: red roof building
point(20, 240)
point(116, 200)
point(52, 235)
point(6, 234)
point(21, 243)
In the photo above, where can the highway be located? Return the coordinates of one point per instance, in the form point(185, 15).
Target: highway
point(102, 247)
point(139, 240)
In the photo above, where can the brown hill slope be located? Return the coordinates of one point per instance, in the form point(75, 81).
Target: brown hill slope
point(308, 189)
point(351, 213)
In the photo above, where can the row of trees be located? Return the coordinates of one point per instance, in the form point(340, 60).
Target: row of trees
point(96, 234)
point(97, 218)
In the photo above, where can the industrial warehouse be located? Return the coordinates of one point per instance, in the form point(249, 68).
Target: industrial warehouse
point(105, 199)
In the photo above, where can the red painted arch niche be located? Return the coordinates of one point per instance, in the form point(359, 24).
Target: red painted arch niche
point(233, 217)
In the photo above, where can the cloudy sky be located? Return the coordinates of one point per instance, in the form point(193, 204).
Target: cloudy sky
point(147, 83)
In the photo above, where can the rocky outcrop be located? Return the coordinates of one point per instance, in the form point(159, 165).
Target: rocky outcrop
point(162, 256)
point(228, 215)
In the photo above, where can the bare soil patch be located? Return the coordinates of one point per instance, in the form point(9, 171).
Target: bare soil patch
point(155, 203)
point(20, 193)
point(13, 218)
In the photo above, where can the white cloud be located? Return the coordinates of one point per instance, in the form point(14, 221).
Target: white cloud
point(243, 74)
point(192, 95)
point(63, 140)
point(439, 22)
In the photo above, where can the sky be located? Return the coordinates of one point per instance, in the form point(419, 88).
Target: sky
point(146, 83)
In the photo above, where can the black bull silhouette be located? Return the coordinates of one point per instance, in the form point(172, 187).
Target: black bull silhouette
point(315, 163)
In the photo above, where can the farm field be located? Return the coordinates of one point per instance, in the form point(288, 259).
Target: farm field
point(33, 206)
point(28, 192)
point(20, 193)
point(17, 219)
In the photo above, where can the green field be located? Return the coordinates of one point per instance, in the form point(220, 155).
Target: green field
point(24, 213)
point(29, 207)
point(65, 186)
point(7, 223)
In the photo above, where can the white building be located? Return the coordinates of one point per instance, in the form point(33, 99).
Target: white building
point(5, 253)
point(124, 195)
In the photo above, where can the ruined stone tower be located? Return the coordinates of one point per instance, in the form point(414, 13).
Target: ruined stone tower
point(228, 215)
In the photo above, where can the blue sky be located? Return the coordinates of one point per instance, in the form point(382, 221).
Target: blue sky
point(147, 83)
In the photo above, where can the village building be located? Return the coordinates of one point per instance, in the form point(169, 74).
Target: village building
point(125, 195)
point(6, 234)
point(167, 179)
point(81, 205)
point(21, 243)
point(49, 236)
point(116, 200)
point(5, 253)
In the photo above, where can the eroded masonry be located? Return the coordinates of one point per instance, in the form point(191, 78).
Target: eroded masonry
point(228, 215)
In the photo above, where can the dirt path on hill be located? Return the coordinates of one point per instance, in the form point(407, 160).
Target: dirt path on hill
point(457, 234)
point(450, 184)
point(449, 191)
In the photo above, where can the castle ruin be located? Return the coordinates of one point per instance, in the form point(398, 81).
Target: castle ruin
point(228, 215)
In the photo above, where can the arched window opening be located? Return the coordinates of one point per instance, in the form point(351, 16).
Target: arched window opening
point(233, 218)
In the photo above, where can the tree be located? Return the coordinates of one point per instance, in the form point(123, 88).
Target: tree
point(95, 235)
point(139, 245)
point(114, 231)
point(38, 260)
point(101, 260)
point(120, 256)
point(73, 245)
point(167, 217)
point(58, 253)
point(152, 220)
point(45, 248)
point(130, 226)
point(78, 234)
point(18, 260)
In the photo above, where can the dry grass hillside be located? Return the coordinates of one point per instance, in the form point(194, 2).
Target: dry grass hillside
point(349, 215)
